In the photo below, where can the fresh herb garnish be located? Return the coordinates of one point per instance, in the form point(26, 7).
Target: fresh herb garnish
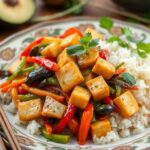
point(119, 65)
point(86, 43)
point(143, 49)
point(127, 77)
point(106, 22)
point(117, 39)
point(75, 50)
point(127, 32)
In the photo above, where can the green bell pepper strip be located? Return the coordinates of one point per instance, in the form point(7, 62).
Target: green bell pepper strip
point(19, 68)
point(52, 80)
point(29, 69)
point(27, 97)
point(56, 137)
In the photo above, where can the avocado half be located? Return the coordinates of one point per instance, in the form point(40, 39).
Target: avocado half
point(12, 14)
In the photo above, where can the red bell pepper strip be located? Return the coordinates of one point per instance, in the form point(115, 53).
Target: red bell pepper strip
point(119, 71)
point(69, 114)
point(27, 50)
point(104, 54)
point(74, 126)
point(70, 31)
point(48, 128)
point(108, 100)
point(48, 64)
point(85, 123)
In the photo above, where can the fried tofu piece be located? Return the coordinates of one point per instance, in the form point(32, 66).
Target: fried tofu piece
point(88, 59)
point(104, 68)
point(30, 110)
point(53, 108)
point(69, 76)
point(95, 34)
point(101, 128)
point(127, 104)
point(70, 40)
point(12, 68)
point(80, 97)
point(51, 50)
point(98, 87)
point(63, 58)
point(89, 76)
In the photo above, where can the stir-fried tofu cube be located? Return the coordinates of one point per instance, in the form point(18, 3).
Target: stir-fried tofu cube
point(101, 128)
point(98, 87)
point(51, 50)
point(88, 59)
point(127, 104)
point(104, 68)
point(95, 34)
point(51, 39)
point(63, 58)
point(70, 40)
point(14, 66)
point(30, 110)
point(69, 76)
point(80, 97)
point(53, 108)
point(89, 76)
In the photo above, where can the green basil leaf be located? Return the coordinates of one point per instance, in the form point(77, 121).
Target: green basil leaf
point(106, 22)
point(126, 31)
point(86, 39)
point(93, 43)
point(75, 50)
point(128, 78)
point(144, 46)
point(113, 39)
point(142, 53)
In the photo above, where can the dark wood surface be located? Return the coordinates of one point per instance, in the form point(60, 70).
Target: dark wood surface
point(42, 9)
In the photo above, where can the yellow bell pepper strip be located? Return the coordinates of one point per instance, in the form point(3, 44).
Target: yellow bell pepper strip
point(56, 137)
point(42, 93)
point(13, 84)
point(27, 50)
point(47, 63)
point(85, 123)
point(15, 99)
point(19, 68)
point(69, 114)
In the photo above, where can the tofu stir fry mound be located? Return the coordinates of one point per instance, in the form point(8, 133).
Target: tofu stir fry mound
point(67, 82)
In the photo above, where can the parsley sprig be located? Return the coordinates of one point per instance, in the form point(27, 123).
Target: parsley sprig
point(86, 43)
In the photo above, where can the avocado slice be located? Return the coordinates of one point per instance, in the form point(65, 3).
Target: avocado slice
point(16, 13)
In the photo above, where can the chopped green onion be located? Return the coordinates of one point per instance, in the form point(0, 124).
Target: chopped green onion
point(119, 65)
point(56, 137)
point(27, 97)
point(29, 69)
point(52, 80)
point(19, 69)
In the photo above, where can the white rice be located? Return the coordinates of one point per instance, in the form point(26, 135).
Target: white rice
point(140, 68)
point(33, 127)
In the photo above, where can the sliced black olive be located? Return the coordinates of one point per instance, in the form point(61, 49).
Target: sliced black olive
point(38, 75)
point(103, 109)
point(4, 73)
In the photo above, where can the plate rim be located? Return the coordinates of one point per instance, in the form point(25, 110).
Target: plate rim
point(73, 19)
point(63, 20)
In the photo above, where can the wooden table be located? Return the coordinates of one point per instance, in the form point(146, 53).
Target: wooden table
point(42, 10)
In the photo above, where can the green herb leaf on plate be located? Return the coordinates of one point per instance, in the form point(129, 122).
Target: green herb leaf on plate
point(126, 31)
point(75, 50)
point(127, 77)
point(106, 22)
point(113, 39)
point(86, 39)
point(93, 43)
